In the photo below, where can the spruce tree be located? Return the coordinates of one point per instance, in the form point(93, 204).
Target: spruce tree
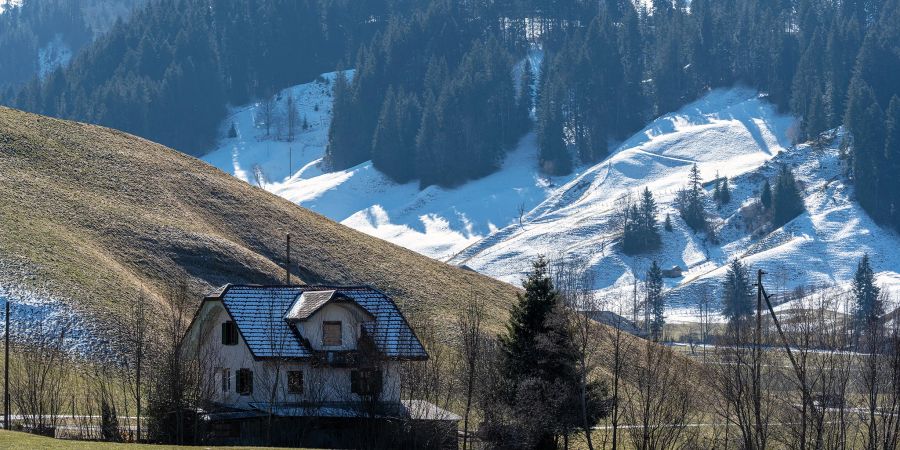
point(786, 202)
point(525, 101)
point(691, 202)
point(717, 188)
point(553, 155)
point(655, 301)
point(737, 294)
point(649, 231)
point(523, 356)
point(539, 364)
point(668, 223)
point(868, 307)
point(640, 231)
point(724, 192)
point(765, 197)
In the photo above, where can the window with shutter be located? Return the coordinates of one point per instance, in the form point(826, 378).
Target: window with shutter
point(229, 333)
point(226, 380)
point(244, 382)
point(295, 381)
point(331, 334)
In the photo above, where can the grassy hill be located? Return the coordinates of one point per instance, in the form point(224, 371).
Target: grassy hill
point(95, 215)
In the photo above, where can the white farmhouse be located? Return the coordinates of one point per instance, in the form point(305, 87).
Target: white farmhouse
point(323, 360)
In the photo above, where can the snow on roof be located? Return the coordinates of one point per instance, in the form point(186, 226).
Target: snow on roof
point(260, 313)
point(312, 301)
point(308, 303)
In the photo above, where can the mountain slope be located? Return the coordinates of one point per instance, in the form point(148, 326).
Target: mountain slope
point(437, 222)
point(92, 215)
point(731, 133)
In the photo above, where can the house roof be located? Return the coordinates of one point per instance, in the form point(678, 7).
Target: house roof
point(311, 301)
point(260, 313)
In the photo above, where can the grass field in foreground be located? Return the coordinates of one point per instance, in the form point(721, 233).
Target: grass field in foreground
point(14, 440)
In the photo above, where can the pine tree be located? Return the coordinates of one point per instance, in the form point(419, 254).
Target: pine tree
point(649, 231)
point(737, 295)
point(527, 321)
point(538, 358)
point(724, 192)
point(525, 101)
point(640, 232)
point(717, 189)
point(868, 308)
point(765, 197)
point(553, 155)
point(655, 301)
point(786, 200)
point(668, 223)
point(691, 202)
point(865, 121)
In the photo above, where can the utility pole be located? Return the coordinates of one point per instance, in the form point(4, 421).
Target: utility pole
point(6, 371)
point(287, 264)
point(757, 368)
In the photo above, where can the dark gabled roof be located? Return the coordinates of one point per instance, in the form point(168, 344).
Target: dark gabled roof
point(259, 313)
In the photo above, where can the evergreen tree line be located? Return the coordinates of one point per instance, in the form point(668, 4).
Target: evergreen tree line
point(613, 69)
point(168, 73)
point(640, 232)
point(739, 297)
point(873, 118)
point(26, 29)
point(432, 99)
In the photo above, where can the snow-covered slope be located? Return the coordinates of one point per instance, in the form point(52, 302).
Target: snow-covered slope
point(435, 221)
point(498, 224)
point(729, 132)
point(733, 133)
point(7, 4)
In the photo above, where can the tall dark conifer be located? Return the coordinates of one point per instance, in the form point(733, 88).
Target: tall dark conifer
point(737, 295)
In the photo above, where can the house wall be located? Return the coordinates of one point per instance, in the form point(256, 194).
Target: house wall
point(350, 316)
point(326, 384)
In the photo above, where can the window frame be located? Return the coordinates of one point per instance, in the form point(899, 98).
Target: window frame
point(292, 386)
point(340, 333)
point(225, 373)
point(243, 379)
point(230, 335)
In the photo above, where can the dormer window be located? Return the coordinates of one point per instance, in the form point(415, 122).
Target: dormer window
point(331, 334)
point(229, 333)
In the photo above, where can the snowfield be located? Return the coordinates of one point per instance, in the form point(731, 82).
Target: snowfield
point(497, 225)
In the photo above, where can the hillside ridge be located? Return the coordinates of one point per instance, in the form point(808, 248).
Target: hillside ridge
point(96, 215)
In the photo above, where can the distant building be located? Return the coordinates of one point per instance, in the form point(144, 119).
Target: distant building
point(322, 362)
point(674, 272)
point(617, 321)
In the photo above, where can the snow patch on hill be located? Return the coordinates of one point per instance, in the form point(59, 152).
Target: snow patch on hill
point(8, 4)
point(53, 55)
point(41, 317)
